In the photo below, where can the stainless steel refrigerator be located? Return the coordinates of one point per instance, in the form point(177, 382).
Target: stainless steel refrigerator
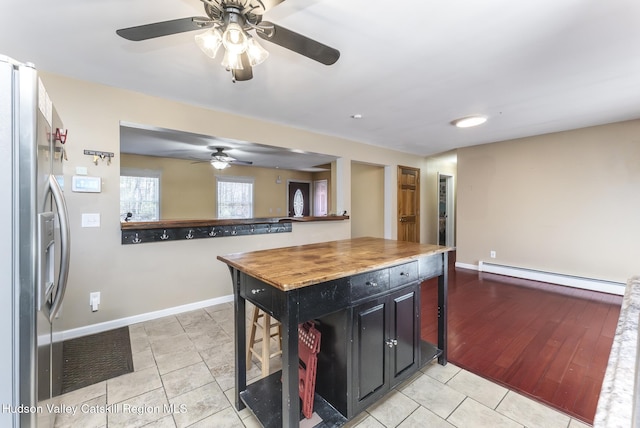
point(34, 262)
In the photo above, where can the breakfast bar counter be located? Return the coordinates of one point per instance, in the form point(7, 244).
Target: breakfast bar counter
point(363, 295)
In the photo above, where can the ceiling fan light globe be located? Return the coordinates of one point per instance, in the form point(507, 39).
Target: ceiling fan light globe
point(232, 61)
point(209, 42)
point(234, 38)
point(257, 54)
point(217, 164)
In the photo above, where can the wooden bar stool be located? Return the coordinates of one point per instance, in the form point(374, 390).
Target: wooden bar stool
point(266, 334)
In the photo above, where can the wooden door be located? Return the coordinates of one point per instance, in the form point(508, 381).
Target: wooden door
point(299, 199)
point(408, 204)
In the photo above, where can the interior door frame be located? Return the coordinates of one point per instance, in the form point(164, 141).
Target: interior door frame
point(449, 209)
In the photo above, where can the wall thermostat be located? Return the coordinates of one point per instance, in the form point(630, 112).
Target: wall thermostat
point(87, 184)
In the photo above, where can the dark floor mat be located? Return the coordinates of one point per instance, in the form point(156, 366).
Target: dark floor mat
point(92, 359)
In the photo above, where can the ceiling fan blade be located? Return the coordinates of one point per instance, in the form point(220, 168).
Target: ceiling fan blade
point(268, 4)
point(246, 73)
point(242, 162)
point(298, 43)
point(164, 28)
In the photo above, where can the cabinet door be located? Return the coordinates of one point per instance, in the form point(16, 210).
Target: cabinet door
point(404, 333)
point(370, 351)
point(385, 344)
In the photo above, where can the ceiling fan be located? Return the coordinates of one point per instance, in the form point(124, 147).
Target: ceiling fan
point(229, 23)
point(221, 160)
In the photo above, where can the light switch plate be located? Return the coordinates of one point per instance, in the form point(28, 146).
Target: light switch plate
point(91, 220)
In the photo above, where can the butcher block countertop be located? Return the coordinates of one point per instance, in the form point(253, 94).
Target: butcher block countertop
point(289, 268)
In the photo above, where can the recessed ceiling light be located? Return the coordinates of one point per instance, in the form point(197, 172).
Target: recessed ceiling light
point(356, 116)
point(469, 121)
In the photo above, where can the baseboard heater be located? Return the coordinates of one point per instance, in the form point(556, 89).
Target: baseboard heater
point(553, 278)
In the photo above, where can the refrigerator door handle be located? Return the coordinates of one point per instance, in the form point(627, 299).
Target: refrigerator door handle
point(61, 206)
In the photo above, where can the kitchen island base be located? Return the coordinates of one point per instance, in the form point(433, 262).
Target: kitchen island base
point(264, 399)
point(367, 307)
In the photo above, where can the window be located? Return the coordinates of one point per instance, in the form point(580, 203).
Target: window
point(235, 197)
point(140, 194)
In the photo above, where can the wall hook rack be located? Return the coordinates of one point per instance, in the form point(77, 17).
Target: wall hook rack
point(98, 155)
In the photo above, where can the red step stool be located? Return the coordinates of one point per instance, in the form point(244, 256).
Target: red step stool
point(308, 348)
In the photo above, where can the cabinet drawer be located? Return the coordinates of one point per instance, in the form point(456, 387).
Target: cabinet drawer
point(430, 266)
point(322, 298)
point(369, 284)
point(403, 274)
point(257, 292)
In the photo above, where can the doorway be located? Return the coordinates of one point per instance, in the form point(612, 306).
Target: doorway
point(408, 204)
point(367, 200)
point(446, 217)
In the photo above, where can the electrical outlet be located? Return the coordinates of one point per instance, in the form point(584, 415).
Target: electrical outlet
point(492, 254)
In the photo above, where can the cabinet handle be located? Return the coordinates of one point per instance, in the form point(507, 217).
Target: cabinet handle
point(257, 290)
point(372, 283)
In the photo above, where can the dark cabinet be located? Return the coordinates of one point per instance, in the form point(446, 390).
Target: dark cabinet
point(370, 350)
point(370, 325)
point(385, 344)
point(376, 343)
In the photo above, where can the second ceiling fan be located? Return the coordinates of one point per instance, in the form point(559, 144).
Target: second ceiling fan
point(229, 23)
point(221, 160)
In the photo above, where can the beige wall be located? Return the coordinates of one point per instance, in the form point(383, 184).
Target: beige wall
point(565, 202)
point(136, 279)
point(367, 200)
point(188, 190)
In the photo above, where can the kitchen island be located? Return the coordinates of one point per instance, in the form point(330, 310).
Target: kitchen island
point(364, 296)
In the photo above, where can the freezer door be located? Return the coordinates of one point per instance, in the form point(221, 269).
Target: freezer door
point(9, 275)
point(44, 285)
point(61, 248)
point(46, 256)
point(55, 187)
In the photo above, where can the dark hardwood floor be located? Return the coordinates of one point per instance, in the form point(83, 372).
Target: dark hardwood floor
point(545, 341)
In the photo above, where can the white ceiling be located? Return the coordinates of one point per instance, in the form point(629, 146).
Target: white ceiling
point(410, 68)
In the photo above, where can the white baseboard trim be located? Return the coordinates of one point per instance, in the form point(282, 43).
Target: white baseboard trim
point(554, 278)
point(121, 322)
point(466, 266)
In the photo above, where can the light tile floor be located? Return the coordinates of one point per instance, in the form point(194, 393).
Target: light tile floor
point(183, 377)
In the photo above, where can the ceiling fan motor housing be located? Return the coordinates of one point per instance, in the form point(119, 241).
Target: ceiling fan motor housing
point(250, 11)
